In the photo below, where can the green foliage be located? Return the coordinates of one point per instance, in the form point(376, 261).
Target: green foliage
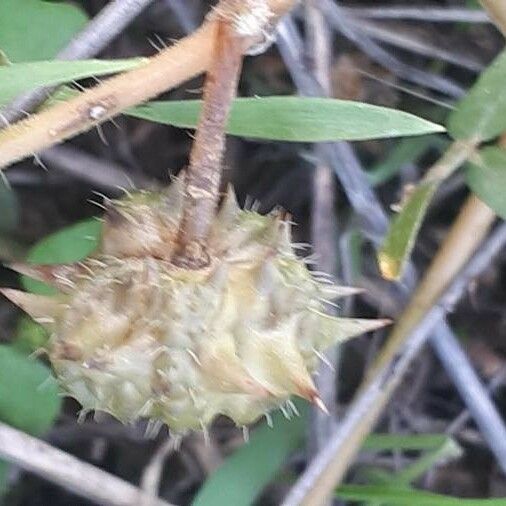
point(481, 114)
point(22, 77)
point(296, 119)
point(243, 475)
point(30, 336)
point(486, 176)
point(407, 497)
point(68, 245)
point(33, 30)
point(479, 117)
point(29, 397)
point(401, 236)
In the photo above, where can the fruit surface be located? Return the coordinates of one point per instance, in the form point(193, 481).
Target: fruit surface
point(136, 336)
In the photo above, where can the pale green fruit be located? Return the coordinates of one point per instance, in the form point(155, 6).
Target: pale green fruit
point(135, 336)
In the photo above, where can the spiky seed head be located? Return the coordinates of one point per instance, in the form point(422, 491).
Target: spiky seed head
point(135, 336)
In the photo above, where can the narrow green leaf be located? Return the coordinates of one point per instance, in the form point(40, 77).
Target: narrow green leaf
point(30, 336)
point(411, 442)
point(68, 245)
point(4, 469)
point(296, 119)
point(22, 77)
point(29, 397)
point(243, 475)
point(487, 178)
point(33, 30)
point(481, 114)
point(401, 236)
point(408, 497)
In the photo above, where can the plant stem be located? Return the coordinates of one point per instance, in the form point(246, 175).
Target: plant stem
point(497, 11)
point(59, 467)
point(432, 299)
point(171, 67)
point(323, 226)
point(204, 172)
point(101, 30)
point(467, 233)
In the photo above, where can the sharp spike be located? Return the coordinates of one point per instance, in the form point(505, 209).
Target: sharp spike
point(175, 196)
point(334, 330)
point(41, 308)
point(318, 402)
point(336, 292)
point(224, 371)
point(60, 276)
point(229, 208)
point(219, 277)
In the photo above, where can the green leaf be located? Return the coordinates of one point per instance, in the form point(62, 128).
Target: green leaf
point(403, 230)
point(22, 77)
point(481, 114)
point(410, 442)
point(29, 397)
point(30, 336)
point(33, 30)
point(486, 175)
point(408, 497)
point(4, 469)
point(296, 119)
point(243, 475)
point(68, 245)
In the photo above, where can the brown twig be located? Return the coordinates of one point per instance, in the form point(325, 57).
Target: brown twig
point(171, 67)
point(204, 172)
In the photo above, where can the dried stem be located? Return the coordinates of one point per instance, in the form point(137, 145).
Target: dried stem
point(324, 226)
point(496, 9)
point(97, 34)
point(441, 287)
point(66, 470)
point(204, 172)
point(171, 67)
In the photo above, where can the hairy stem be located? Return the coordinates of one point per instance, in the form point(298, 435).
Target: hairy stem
point(171, 67)
point(204, 172)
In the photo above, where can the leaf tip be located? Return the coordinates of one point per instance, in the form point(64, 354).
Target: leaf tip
point(389, 267)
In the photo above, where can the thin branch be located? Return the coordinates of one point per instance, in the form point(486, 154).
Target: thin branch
point(183, 14)
point(89, 168)
point(475, 395)
point(324, 226)
point(497, 12)
point(152, 474)
point(171, 67)
point(408, 41)
point(431, 14)
point(79, 477)
point(339, 20)
point(328, 468)
point(204, 172)
point(372, 219)
point(339, 155)
point(97, 34)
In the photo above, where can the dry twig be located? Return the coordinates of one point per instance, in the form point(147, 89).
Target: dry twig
point(63, 469)
point(171, 67)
